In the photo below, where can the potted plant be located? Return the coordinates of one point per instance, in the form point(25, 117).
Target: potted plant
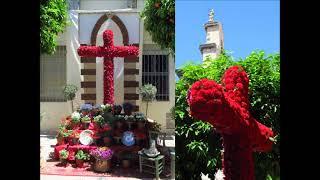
point(148, 93)
point(86, 108)
point(129, 119)
point(141, 120)
point(99, 120)
point(69, 92)
point(126, 157)
point(107, 140)
point(60, 138)
point(108, 117)
point(106, 108)
point(140, 138)
point(75, 137)
point(86, 121)
point(102, 157)
point(63, 156)
point(81, 157)
point(127, 108)
point(117, 109)
point(75, 119)
point(119, 121)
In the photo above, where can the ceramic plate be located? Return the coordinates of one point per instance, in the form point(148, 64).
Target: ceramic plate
point(86, 137)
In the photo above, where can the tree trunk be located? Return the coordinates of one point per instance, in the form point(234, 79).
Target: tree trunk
point(72, 105)
point(147, 110)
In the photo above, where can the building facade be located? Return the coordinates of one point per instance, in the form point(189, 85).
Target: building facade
point(214, 38)
point(87, 21)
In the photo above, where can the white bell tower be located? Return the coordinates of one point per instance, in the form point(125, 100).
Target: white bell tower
point(214, 38)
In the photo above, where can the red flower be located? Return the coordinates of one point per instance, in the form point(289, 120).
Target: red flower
point(108, 51)
point(228, 111)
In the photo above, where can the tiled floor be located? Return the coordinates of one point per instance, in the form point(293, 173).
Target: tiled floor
point(47, 142)
point(55, 177)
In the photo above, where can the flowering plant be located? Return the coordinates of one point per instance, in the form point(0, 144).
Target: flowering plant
point(82, 155)
point(86, 119)
point(102, 153)
point(117, 109)
point(63, 154)
point(86, 107)
point(139, 116)
point(99, 119)
point(106, 107)
point(75, 117)
point(75, 134)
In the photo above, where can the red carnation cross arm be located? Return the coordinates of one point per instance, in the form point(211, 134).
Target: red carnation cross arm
point(108, 51)
point(226, 107)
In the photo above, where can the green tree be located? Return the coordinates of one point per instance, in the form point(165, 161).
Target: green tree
point(198, 146)
point(53, 20)
point(159, 21)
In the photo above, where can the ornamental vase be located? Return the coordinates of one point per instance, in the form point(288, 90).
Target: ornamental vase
point(102, 165)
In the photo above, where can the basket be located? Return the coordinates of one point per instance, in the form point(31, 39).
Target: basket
point(102, 165)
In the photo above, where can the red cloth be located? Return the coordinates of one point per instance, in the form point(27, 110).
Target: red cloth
point(71, 149)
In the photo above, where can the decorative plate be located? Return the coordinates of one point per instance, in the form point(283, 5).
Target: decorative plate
point(128, 138)
point(86, 137)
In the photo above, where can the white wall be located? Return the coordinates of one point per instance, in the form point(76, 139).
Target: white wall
point(87, 22)
point(54, 111)
point(103, 4)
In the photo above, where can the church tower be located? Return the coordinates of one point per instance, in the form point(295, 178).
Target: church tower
point(214, 38)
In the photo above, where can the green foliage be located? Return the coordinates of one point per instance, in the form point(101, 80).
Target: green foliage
point(85, 119)
point(70, 91)
point(53, 20)
point(159, 21)
point(198, 146)
point(82, 155)
point(148, 92)
point(63, 154)
point(99, 119)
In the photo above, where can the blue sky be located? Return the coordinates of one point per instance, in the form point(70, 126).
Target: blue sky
point(247, 26)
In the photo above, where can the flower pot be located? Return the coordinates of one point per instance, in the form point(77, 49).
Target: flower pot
point(125, 163)
point(85, 125)
point(60, 140)
point(107, 141)
point(129, 123)
point(141, 125)
point(101, 165)
point(79, 163)
point(127, 112)
point(119, 124)
point(117, 139)
point(139, 141)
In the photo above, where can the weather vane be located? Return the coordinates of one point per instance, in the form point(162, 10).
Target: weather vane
point(211, 14)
